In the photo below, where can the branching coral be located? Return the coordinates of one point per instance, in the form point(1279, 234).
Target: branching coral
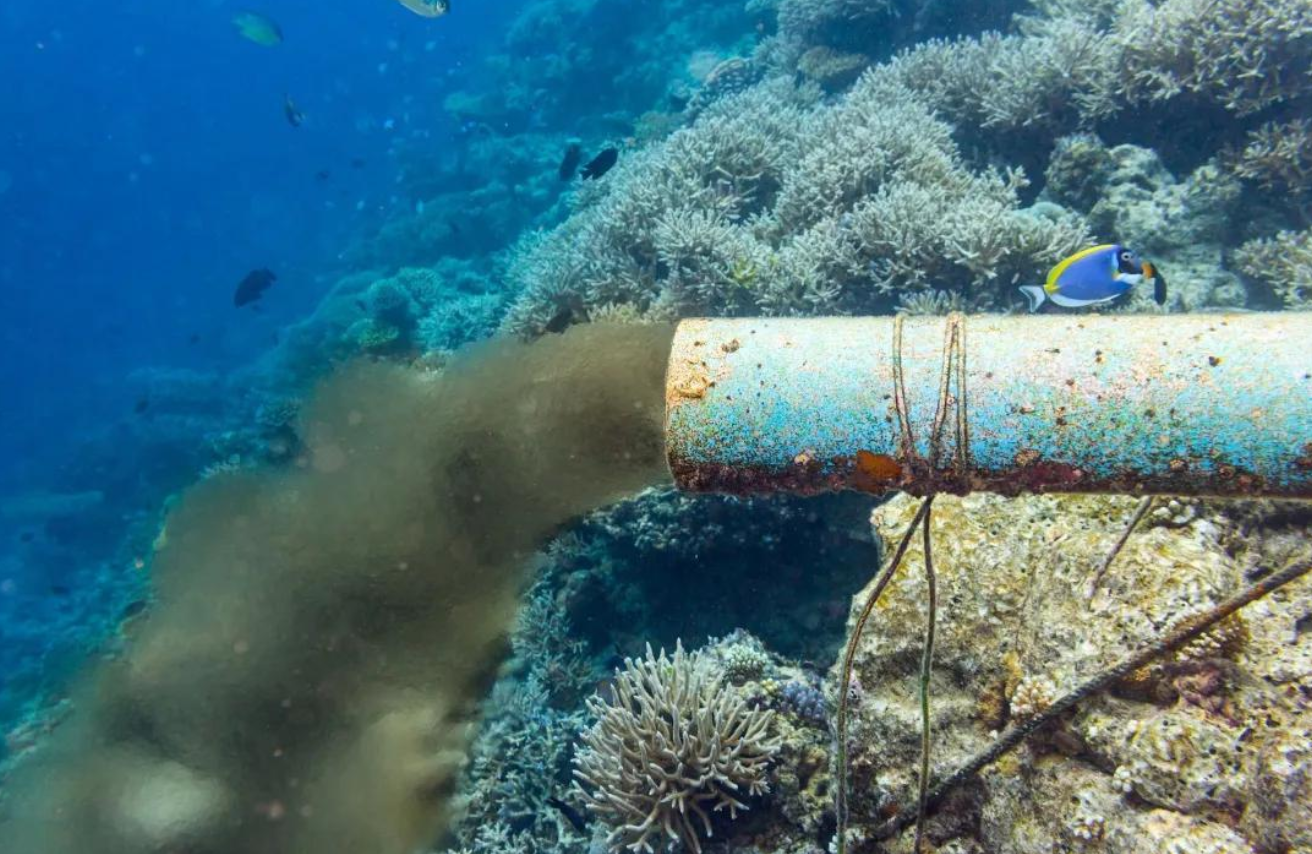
point(1283, 262)
point(675, 745)
point(765, 205)
point(1278, 156)
point(846, 22)
point(1243, 54)
point(1078, 63)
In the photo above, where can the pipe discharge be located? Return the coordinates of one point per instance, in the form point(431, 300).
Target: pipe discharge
point(1166, 404)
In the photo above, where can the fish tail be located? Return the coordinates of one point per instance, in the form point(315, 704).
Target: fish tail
point(1035, 294)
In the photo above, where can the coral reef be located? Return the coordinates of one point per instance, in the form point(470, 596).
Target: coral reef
point(732, 216)
point(775, 202)
point(787, 157)
point(673, 746)
point(1283, 263)
point(638, 570)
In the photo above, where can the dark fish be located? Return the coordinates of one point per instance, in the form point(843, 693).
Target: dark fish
point(60, 590)
point(26, 537)
point(560, 321)
point(323, 175)
point(292, 112)
point(601, 164)
point(142, 405)
point(133, 609)
point(571, 815)
point(357, 162)
point(253, 287)
point(193, 339)
point(1159, 283)
point(454, 227)
point(570, 164)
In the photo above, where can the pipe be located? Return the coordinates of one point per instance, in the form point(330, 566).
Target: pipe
point(1135, 404)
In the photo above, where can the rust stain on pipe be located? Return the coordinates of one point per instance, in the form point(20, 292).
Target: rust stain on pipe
point(1167, 404)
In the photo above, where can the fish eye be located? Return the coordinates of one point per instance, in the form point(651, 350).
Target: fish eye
point(1127, 255)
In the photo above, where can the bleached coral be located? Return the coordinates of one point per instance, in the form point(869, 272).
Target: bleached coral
point(675, 745)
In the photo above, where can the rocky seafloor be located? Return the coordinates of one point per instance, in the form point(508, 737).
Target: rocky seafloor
point(1207, 750)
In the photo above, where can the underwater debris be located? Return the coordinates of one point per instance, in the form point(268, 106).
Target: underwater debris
point(1007, 592)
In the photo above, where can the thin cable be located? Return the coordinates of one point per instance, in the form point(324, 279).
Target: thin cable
point(1184, 632)
point(926, 662)
point(844, 687)
point(1142, 510)
point(906, 437)
point(954, 362)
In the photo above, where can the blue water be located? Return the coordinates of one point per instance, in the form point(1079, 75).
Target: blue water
point(148, 167)
point(145, 167)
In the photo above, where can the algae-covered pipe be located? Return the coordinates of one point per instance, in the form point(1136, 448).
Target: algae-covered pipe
point(1165, 404)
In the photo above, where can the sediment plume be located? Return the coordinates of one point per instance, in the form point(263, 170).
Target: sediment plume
point(307, 681)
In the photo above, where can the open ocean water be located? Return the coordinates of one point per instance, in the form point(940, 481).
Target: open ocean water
point(341, 509)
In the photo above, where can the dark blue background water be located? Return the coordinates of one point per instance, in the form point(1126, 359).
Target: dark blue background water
point(149, 166)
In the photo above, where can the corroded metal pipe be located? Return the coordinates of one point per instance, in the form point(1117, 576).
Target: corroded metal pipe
point(1165, 404)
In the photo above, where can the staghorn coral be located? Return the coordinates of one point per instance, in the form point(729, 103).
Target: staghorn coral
point(1278, 156)
point(769, 204)
point(727, 168)
point(1073, 64)
point(1057, 77)
point(675, 745)
point(1245, 55)
point(1284, 263)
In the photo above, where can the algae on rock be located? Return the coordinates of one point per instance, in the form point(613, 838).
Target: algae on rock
point(1194, 748)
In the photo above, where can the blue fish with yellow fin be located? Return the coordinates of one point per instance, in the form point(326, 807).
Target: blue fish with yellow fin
point(1095, 275)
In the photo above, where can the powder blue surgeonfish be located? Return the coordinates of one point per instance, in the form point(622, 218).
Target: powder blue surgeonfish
point(1095, 275)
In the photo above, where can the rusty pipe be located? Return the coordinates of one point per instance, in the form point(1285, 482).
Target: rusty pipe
point(1134, 404)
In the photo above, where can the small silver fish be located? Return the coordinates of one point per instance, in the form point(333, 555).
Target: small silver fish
point(427, 8)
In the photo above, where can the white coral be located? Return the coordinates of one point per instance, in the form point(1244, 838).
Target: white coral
point(674, 743)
